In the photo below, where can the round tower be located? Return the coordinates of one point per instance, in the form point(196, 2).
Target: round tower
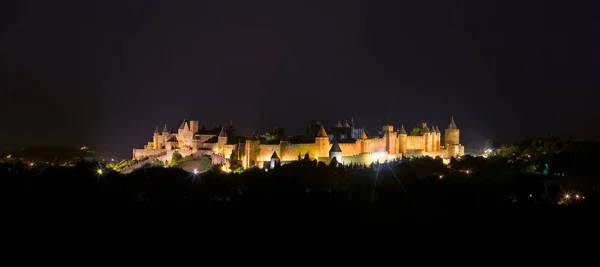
point(363, 142)
point(438, 137)
point(452, 134)
point(155, 141)
point(335, 152)
point(322, 142)
point(275, 161)
point(222, 137)
point(164, 136)
point(427, 135)
point(402, 140)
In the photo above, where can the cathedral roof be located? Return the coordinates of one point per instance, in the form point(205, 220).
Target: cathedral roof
point(274, 156)
point(335, 147)
point(346, 125)
point(364, 135)
point(222, 133)
point(165, 129)
point(452, 123)
point(402, 131)
point(338, 125)
point(322, 132)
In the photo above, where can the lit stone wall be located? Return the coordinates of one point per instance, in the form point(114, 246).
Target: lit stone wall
point(438, 153)
point(147, 152)
point(293, 150)
point(375, 144)
point(415, 142)
point(266, 151)
point(350, 149)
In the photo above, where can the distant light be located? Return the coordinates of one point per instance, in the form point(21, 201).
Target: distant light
point(441, 177)
point(530, 195)
point(577, 196)
point(99, 171)
point(567, 196)
point(31, 164)
point(468, 171)
point(196, 171)
point(112, 159)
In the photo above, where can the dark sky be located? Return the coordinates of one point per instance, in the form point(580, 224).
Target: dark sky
point(105, 73)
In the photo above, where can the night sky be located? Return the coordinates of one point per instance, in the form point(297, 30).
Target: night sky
point(106, 73)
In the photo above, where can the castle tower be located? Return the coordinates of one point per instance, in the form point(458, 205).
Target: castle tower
point(428, 138)
point(402, 140)
point(338, 124)
point(335, 152)
point(346, 124)
point(452, 133)
point(275, 161)
point(322, 142)
point(363, 142)
point(155, 139)
point(390, 139)
point(439, 137)
point(251, 152)
point(434, 138)
point(453, 139)
point(284, 144)
point(222, 137)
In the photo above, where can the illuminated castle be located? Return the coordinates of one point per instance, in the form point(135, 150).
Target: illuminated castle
point(187, 140)
point(341, 143)
point(344, 142)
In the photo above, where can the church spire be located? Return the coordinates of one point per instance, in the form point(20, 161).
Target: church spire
point(156, 130)
point(165, 130)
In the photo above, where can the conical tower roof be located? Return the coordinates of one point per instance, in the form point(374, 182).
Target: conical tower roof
point(156, 130)
point(322, 132)
point(364, 135)
point(452, 123)
point(165, 129)
point(274, 156)
point(402, 131)
point(222, 133)
point(346, 124)
point(183, 124)
point(335, 147)
point(426, 129)
point(437, 129)
point(338, 125)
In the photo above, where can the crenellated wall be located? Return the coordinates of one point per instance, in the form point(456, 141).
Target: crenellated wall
point(375, 144)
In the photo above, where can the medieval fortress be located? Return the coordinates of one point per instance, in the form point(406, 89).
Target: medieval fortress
point(343, 142)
